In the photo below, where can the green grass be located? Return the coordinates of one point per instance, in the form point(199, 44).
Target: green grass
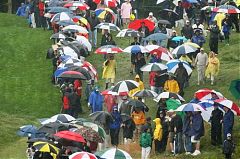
point(27, 94)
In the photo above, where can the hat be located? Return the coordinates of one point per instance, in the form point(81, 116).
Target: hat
point(137, 76)
point(150, 14)
point(202, 49)
point(124, 97)
point(96, 88)
point(154, 53)
point(187, 21)
point(115, 108)
point(229, 135)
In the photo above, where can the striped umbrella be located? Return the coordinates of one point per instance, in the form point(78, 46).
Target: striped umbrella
point(95, 127)
point(46, 147)
point(162, 53)
point(145, 93)
point(85, 42)
point(72, 75)
point(167, 95)
point(58, 36)
point(75, 5)
point(108, 49)
point(173, 65)
point(107, 26)
point(113, 153)
point(75, 28)
point(128, 33)
point(70, 62)
point(61, 16)
point(82, 155)
point(183, 49)
point(125, 86)
point(134, 49)
point(154, 67)
point(206, 94)
point(101, 13)
point(64, 118)
point(190, 107)
point(229, 104)
point(228, 9)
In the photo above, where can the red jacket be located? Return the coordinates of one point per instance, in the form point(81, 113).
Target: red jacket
point(151, 78)
point(65, 103)
point(78, 87)
point(41, 8)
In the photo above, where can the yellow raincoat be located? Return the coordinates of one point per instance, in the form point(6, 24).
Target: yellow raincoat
point(171, 86)
point(157, 134)
point(213, 67)
point(109, 70)
point(219, 18)
point(139, 88)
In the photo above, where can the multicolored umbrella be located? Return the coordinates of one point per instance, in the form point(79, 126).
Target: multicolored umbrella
point(68, 51)
point(190, 107)
point(183, 49)
point(134, 49)
point(70, 62)
point(95, 127)
point(64, 118)
point(85, 42)
point(162, 53)
point(82, 155)
point(235, 88)
point(125, 86)
point(167, 95)
point(145, 93)
point(89, 134)
point(136, 24)
point(153, 67)
point(91, 69)
point(228, 9)
point(229, 104)
point(74, 5)
point(192, 44)
point(46, 147)
point(68, 135)
point(72, 75)
point(101, 13)
point(128, 33)
point(113, 153)
point(79, 19)
point(206, 94)
point(75, 28)
point(173, 65)
point(107, 26)
point(108, 49)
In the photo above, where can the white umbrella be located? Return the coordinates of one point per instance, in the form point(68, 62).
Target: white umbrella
point(154, 67)
point(85, 42)
point(125, 86)
point(77, 28)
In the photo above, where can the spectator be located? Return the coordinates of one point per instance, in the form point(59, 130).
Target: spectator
point(128, 129)
point(152, 18)
point(228, 147)
point(201, 62)
point(105, 36)
point(126, 10)
point(157, 136)
point(214, 35)
point(155, 58)
point(145, 143)
point(93, 21)
point(187, 30)
point(139, 120)
point(139, 62)
point(228, 122)
point(186, 133)
point(95, 100)
point(133, 56)
point(160, 28)
point(164, 123)
point(159, 80)
point(139, 88)
point(180, 11)
point(109, 70)
point(181, 77)
point(171, 85)
point(226, 31)
point(212, 67)
point(234, 17)
point(21, 10)
point(42, 19)
point(144, 31)
point(198, 38)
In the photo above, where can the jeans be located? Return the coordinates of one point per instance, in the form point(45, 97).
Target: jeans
point(93, 37)
point(178, 143)
point(187, 143)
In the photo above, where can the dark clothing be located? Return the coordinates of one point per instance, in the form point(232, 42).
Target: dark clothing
point(179, 10)
point(187, 31)
point(181, 77)
point(198, 39)
point(93, 22)
point(197, 129)
point(163, 142)
point(228, 148)
point(160, 80)
point(128, 129)
point(171, 43)
point(187, 125)
point(138, 64)
point(133, 56)
point(216, 126)
point(213, 41)
point(104, 39)
point(228, 121)
point(145, 30)
point(114, 133)
point(176, 122)
point(75, 104)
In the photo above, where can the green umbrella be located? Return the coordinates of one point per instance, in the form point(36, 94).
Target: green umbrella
point(174, 104)
point(235, 88)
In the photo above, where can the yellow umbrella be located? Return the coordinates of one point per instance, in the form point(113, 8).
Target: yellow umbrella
point(104, 12)
point(192, 44)
point(46, 147)
point(85, 22)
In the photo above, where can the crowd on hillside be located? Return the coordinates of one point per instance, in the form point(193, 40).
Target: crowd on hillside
point(168, 46)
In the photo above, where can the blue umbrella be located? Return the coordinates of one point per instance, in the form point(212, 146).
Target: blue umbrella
point(60, 71)
point(65, 22)
point(183, 49)
point(64, 57)
point(179, 38)
point(27, 130)
point(134, 49)
point(58, 10)
point(192, 1)
point(173, 65)
point(157, 37)
point(190, 107)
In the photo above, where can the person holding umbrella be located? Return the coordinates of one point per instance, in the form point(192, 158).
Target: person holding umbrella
point(198, 38)
point(128, 129)
point(201, 62)
point(139, 120)
point(133, 56)
point(144, 31)
point(187, 30)
point(160, 28)
point(93, 21)
point(228, 122)
point(109, 70)
point(214, 36)
point(159, 80)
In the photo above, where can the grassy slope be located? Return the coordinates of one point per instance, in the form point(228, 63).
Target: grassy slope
point(27, 93)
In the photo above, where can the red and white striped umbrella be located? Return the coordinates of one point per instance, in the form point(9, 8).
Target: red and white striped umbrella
point(82, 155)
point(229, 104)
point(75, 5)
point(229, 9)
point(108, 3)
point(162, 53)
point(205, 94)
point(108, 49)
point(89, 67)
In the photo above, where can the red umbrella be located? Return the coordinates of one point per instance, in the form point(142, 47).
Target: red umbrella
point(136, 24)
point(108, 49)
point(108, 3)
point(81, 6)
point(82, 155)
point(229, 104)
point(162, 53)
point(70, 136)
point(205, 94)
point(91, 69)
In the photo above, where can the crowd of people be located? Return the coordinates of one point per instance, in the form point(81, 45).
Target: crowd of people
point(185, 23)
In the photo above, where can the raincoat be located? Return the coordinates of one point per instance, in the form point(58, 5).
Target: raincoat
point(145, 140)
point(95, 101)
point(228, 121)
point(171, 86)
point(139, 88)
point(138, 118)
point(213, 67)
point(157, 134)
point(109, 69)
point(197, 129)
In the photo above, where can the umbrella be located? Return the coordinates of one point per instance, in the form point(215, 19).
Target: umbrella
point(179, 38)
point(192, 44)
point(90, 68)
point(111, 3)
point(82, 20)
point(113, 153)
point(160, 1)
point(81, 70)
point(166, 22)
point(70, 62)
point(64, 118)
point(167, 95)
point(235, 88)
point(228, 9)
point(58, 10)
point(72, 75)
point(205, 94)
point(210, 8)
point(157, 37)
point(173, 65)
point(101, 13)
point(58, 36)
point(144, 93)
point(68, 135)
point(82, 155)
point(61, 16)
point(137, 103)
point(107, 26)
point(162, 53)
point(65, 22)
point(128, 33)
point(85, 42)
point(33, 140)
point(52, 128)
point(27, 130)
point(152, 47)
point(101, 117)
point(183, 49)
point(108, 49)
point(125, 86)
point(134, 49)
point(164, 13)
point(75, 5)
point(75, 28)
point(66, 50)
point(174, 104)
point(136, 24)
point(95, 127)
point(89, 134)
point(46, 147)
point(125, 117)
point(229, 104)
point(190, 107)
point(154, 67)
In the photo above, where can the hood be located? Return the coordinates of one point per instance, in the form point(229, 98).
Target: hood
point(157, 121)
point(137, 77)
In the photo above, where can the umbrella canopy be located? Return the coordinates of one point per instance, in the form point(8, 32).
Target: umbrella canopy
point(154, 67)
point(46, 147)
point(162, 53)
point(108, 49)
point(101, 13)
point(166, 22)
point(72, 75)
point(113, 153)
point(82, 155)
point(179, 38)
point(64, 118)
point(75, 28)
point(190, 107)
point(145, 93)
point(173, 104)
point(95, 127)
point(70, 62)
point(167, 95)
point(81, 70)
point(111, 3)
point(89, 134)
point(107, 26)
point(85, 42)
point(74, 5)
point(65, 22)
point(128, 33)
point(134, 49)
point(52, 128)
point(68, 51)
point(79, 19)
point(228, 9)
point(235, 88)
point(136, 24)
point(61, 16)
point(192, 44)
point(229, 104)
point(125, 117)
point(205, 94)
point(101, 117)
point(157, 37)
point(58, 10)
point(173, 65)
point(137, 104)
point(125, 86)
point(68, 135)
point(58, 36)
point(91, 69)
point(210, 8)
point(27, 130)
point(164, 13)
point(183, 49)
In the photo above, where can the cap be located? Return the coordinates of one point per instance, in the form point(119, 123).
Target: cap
point(151, 14)
point(187, 21)
point(124, 97)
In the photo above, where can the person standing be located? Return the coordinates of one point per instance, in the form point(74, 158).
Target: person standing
point(216, 126)
point(198, 38)
point(139, 62)
point(226, 31)
point(109, 70)
point(212, 67)
point(201, 62)
point(128, 129)
point(152, 18)
point(159, 80)
point(180, 11)
point(138, 117)
point(134, 56)
point(228, 122)
point(93, 21)
point(214, 35)
point(186, 133)
point(171, 85)
point(126, 10)
point(95, 100)
point(187, 30)
point(228, 147)
point(42, 19)
point(165, 132)
point(145, 143)
point(157, 134)
point(181, 77)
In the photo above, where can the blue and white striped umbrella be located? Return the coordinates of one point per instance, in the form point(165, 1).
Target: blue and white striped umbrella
point(183, 49)
point(134, 49)
point(173, 65)
point(190, 107)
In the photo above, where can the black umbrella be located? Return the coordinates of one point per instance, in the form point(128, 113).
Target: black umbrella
point(52, 128)
point(145, 93)
point(125, 117)
point(72, 75)
point(137, 104)
point(164, 13)
point(166, 22)
point(101, 117)
point(81, 70)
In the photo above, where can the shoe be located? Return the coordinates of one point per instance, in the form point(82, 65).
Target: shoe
point(196, 153)
point(188, 153)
